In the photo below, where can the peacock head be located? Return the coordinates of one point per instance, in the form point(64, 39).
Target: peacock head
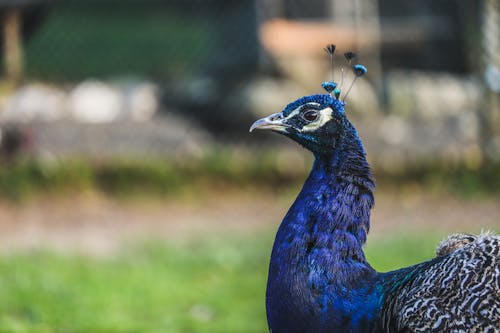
point(317, 122)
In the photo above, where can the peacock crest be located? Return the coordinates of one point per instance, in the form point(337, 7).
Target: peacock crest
point(334, 88)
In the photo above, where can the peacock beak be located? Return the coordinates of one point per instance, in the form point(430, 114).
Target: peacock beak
point(273, 122)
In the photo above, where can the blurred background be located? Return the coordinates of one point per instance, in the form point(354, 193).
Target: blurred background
point(133, 198)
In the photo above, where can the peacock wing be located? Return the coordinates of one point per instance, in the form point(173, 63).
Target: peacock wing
point(459, 291)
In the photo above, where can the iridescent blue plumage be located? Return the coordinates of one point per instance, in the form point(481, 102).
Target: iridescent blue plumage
point(319, 279)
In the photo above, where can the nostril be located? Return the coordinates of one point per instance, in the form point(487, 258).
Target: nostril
point(275, 117)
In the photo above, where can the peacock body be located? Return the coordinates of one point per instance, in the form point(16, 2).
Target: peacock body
point(319, 279)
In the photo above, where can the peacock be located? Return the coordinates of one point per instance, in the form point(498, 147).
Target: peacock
point(319, 279)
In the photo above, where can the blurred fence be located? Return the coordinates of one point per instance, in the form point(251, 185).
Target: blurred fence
point(221, 63)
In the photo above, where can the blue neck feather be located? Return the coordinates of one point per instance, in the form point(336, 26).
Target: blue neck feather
point(319, 279)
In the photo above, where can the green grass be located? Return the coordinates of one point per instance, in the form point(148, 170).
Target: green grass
point(212, 285)
point(386, 253)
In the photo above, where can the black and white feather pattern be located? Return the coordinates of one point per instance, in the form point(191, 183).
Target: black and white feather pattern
point(459, 291)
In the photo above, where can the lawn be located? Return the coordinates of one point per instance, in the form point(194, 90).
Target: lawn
point(211, 285)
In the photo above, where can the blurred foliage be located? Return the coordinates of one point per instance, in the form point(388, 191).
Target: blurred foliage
point(129, 177)
point(439, 176)
point(210, 285)
point(219, 169)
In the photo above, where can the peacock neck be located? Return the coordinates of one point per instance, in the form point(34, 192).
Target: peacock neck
point(328, 223)
point(317, 264)
point(334, 208)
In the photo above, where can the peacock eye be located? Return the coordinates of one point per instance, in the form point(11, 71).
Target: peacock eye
point(310, 115)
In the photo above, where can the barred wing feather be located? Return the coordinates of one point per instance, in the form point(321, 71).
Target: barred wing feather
point(457, 292)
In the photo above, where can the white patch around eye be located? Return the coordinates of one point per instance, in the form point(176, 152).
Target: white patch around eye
point(324, 116)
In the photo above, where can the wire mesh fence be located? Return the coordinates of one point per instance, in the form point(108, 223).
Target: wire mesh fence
point(72, 40)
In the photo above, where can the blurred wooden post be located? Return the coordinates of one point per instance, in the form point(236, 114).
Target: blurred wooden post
point(13, 56)
point(490, 67)
point(369, 38)
point(362, 17)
